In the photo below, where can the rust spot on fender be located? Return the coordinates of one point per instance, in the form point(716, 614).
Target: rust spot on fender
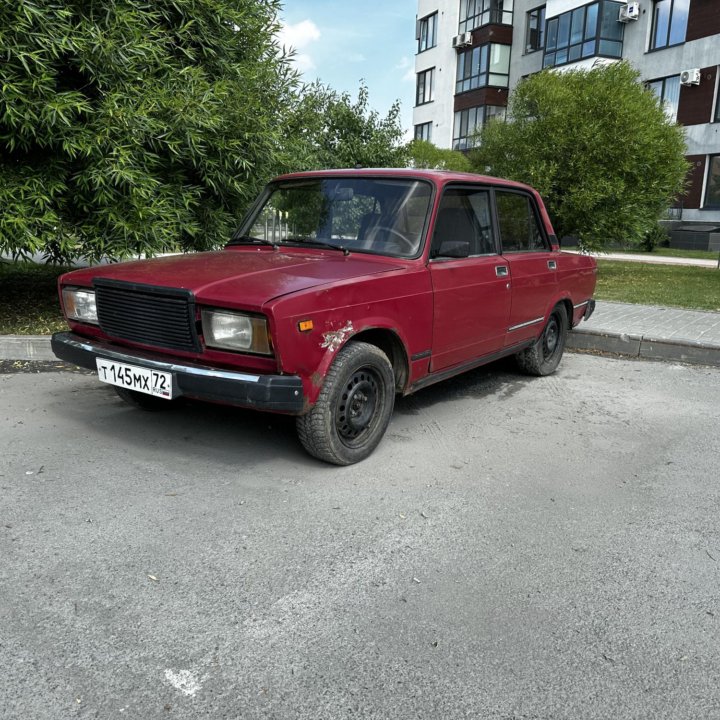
point(316, 379)
point(335, 338)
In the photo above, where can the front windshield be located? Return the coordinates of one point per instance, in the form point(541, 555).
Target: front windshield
point(375, 215)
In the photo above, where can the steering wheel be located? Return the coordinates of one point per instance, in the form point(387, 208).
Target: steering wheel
point(406, 241)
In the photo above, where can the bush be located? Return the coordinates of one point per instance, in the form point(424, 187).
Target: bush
point(598, 147)
point(135, 127)
point(655, 237)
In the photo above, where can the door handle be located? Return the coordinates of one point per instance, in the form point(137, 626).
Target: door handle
point(552, 265)
point(501, 270)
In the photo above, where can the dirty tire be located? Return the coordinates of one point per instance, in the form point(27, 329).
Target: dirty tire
point(354, 407)
point(143, 400)
point(543, 356)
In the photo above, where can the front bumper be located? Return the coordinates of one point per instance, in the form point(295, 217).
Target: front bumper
point(274, 393)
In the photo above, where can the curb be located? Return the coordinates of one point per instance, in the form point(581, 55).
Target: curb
point(644, 347)
point(26, 347)
point(37, 347)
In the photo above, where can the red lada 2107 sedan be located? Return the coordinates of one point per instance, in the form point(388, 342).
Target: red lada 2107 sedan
point(340, 289)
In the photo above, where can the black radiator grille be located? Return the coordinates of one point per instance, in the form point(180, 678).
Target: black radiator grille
point(163, 317)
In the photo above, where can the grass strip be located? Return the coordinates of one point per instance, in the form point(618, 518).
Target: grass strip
point(696, 288)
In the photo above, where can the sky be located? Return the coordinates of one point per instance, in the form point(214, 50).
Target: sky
point(341, 43)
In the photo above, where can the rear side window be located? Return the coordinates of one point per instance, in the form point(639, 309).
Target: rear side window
point(518, 223)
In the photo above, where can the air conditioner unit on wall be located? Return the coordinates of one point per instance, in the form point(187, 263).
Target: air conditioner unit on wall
point(462, 40)
point(690, 77)
point(629, 12)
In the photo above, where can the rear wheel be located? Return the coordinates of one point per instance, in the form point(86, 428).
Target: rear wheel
point(543, 356)
point(354, 407)
point(143, 400)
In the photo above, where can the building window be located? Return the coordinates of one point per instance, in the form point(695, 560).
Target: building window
point(469, 122)
point(667, 91)
point(535, 31)
point(425, 91)
point(427, 32)
point(475, 13)
point(585, 32)
point(669, 23)
point(424, 132)
point(712, 191)
point(482, 66)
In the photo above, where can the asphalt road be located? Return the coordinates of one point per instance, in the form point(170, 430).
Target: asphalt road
point(516, 548)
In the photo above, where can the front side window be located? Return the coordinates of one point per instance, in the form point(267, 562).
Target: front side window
point(667, 91)
point(712, 191)
point(519, 228)
point(669, 23)
point(427, 33)
point(424, 132)
point(476, 13)
point(384, 216)
point(469, 122)
point(584, 32)
point(482, 66)
point(535, 30)
point(424, 91)
point(464, 219)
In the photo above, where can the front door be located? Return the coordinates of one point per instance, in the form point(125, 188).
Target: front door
point(472, 292)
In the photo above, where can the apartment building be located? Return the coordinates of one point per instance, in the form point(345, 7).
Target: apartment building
point(470, 53)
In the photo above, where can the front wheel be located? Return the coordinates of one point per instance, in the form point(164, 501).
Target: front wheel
point(354, 406)
point(543, 356)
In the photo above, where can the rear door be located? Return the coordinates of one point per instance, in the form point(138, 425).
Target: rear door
point(533, 266)
point(472, 293)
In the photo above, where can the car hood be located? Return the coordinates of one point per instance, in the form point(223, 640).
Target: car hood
point(241, 276)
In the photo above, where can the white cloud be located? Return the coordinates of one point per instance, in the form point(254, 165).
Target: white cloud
point(408, 65)
point(298, 37)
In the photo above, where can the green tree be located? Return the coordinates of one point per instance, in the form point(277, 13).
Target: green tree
point(133, 126)
point(327, 129)
point(426, 155)
point(597, 145)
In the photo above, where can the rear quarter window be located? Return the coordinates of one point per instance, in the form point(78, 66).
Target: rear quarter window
point(519, 223)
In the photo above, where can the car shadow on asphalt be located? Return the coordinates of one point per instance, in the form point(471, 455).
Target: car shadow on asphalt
point(228, 435)
point(498, 378)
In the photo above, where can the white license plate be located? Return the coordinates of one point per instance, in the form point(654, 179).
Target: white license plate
point(144, 380)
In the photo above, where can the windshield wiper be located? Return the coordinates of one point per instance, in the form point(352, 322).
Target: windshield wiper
point(249, 240)
point(318, 243)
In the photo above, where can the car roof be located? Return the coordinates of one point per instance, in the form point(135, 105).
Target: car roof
point(439, 177)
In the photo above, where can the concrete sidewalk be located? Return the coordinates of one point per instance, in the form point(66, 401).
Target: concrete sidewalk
point(653, 259)
point(651, 332)
point(645, 331)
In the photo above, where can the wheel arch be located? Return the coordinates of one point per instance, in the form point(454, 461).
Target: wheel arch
point(563, 301)
point(569, 310)
point(390, 343)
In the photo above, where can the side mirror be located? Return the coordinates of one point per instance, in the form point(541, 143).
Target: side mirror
point(454, 249)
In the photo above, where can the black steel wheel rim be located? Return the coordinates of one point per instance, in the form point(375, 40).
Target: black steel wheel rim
point(551, 337)
point(357, 406)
